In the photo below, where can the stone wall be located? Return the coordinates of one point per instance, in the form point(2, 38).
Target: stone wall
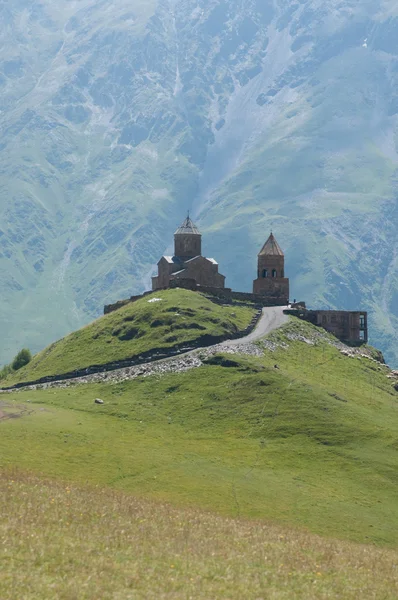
point(165, 270)
point(185, 283)
point(228, 295)
point(260, 299)
point(351, 327)
point(273, 288)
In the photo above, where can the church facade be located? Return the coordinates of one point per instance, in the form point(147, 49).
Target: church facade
point(187, 264)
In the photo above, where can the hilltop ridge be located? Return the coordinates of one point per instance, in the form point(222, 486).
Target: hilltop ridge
point(154, 324)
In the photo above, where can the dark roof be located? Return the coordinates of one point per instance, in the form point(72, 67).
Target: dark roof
point(188, 227)
point(271, 247)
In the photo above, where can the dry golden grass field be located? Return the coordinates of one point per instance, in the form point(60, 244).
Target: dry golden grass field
point(64, 542)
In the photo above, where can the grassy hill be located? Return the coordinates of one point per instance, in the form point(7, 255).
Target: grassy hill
point(86, 543)
point(161, 320)
point(312, 443)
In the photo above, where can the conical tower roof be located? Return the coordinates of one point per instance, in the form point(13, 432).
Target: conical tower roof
point(271, 248)
point(188, 227)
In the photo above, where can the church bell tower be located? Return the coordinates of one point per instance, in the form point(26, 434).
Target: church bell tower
point(187, 240)
point(271, 281)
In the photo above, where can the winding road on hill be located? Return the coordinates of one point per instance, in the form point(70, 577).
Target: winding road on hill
point(272, 318)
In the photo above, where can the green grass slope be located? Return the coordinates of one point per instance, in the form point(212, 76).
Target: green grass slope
point(77, 543)
point(161, 320)
point(312, 443)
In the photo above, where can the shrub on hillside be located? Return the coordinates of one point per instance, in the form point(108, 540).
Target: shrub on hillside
point(5, 371)
point(22, 358)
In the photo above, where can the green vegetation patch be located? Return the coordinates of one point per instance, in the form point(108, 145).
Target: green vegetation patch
point(302, 435)
point(162, 320)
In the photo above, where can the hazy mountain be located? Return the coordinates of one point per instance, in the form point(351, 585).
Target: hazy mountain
point(118, 115)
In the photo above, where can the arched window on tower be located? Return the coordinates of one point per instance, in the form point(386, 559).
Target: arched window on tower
point(265, 273)
point(282, 273)
point(274, 273)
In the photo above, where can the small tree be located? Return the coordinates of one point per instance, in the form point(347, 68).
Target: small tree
point(5, 371)
point(22, 358)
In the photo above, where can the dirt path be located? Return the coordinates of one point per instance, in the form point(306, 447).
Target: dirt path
point(12, 411)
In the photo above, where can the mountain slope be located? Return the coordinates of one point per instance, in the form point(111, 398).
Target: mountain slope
point(118, 116)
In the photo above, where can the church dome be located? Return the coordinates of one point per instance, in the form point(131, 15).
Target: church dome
point(187, 227)
point(271, 248)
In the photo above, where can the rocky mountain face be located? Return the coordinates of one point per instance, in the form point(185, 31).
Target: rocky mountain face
point(117, 116)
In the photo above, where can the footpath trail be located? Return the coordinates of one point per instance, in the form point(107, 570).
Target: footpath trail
point(272, 318)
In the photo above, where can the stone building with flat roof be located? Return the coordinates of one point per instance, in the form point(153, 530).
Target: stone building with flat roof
point(187, 264)
point(347, 326)
point(350, 327)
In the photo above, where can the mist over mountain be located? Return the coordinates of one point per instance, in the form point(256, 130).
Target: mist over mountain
point(117, 116)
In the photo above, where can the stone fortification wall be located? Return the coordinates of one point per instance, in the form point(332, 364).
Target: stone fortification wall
point(258, 299)
point(228, 295)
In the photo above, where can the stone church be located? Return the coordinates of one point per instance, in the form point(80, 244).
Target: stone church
point(188, 264)
point(188, 268)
